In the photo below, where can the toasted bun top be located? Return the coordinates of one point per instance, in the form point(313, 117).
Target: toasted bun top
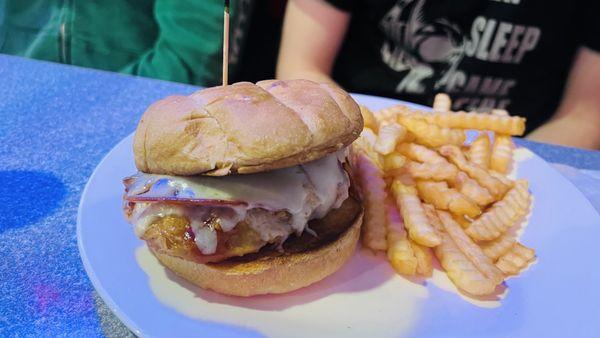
point(245, 128)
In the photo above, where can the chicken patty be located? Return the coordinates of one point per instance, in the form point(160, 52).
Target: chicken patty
point(172, 235)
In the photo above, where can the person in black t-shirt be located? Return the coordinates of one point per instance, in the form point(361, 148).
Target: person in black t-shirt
point(538, 59)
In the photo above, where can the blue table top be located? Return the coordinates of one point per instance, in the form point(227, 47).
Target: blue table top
point(57, 122)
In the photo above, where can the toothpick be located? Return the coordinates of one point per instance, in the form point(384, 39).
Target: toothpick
point(225, 42)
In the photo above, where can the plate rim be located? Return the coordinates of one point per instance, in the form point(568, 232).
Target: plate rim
point(106, 298)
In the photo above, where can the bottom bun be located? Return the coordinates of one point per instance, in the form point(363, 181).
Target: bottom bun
point(269, 273)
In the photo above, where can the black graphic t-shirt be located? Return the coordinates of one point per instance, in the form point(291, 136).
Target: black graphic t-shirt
point(511, 54)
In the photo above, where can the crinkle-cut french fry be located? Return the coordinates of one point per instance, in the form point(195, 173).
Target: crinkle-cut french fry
point(417, 152)
point(442, 102)
point(400, 252)
point(389, 135)
point(394, 161)
point(434, 165)
point(473, 252)
point(396, 110)
point(430, 134)
point(369, 119)
point(470, 188)
point(516, 259)
point(369, 137)
point(442, 197)
point(502, 154)
point(385, 120)
point(393, 164)
point(462, 221)
point(523, 251)
point(404, 178)
point(431, 171)
point(432, 217)
point(498, 247)
point(502, 178)
point(479, 152)
point(493, 185)
point(390, 114)
point(461, 271)
point(510, 125)
point(365, 144)
point(424, 257)
point(374, 195)
point(417, 224)
point(502, 214)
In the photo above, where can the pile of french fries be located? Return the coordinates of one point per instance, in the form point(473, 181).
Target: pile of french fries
point(428, 194)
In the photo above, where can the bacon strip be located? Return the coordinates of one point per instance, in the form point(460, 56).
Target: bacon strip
point(184, 201)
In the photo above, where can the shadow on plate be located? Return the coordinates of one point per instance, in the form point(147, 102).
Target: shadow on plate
point(365, 271)
point(27, 196)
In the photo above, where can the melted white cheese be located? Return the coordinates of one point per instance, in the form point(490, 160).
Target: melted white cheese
point(206, 240)
point(145, 213)
point(269, 227)
point(325, 188)
point(307, 191)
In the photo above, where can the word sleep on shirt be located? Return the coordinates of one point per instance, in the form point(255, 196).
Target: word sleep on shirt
point(509, 54)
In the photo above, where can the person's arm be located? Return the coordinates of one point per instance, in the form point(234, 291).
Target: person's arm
point(577, 120)
point(313, 32)
point(188, 47)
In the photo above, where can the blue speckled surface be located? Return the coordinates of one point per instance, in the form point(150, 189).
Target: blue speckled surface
point(56, 123)
point(574, 157)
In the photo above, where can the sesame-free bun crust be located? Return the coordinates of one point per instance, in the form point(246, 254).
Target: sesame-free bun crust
point(245, 128)
point(269, 274)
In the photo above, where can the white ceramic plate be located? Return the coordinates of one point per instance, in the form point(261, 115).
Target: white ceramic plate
point(557, 297)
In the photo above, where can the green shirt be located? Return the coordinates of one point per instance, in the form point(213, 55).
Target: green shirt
point(171, 40)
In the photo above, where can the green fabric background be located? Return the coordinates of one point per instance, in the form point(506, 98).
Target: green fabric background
point(176, 40)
